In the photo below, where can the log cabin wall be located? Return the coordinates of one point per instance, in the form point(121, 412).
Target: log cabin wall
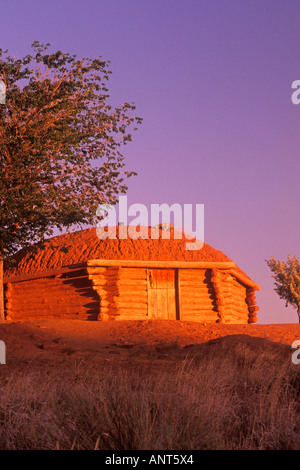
point(237, 311)
point(197, 296)
point(136, 292)
point(62, 295)
point(122, 291)
point(154, 293)
point(233, 294)
point(165, 292)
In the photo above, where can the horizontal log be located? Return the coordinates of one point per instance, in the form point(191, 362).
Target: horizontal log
point(236, 314)
point(42, 274)
point(120, 311)
point(198, 297)
point(198, 308)
point(121, 304)
point(234, 321)
point(227, 296)
point(124, 277)
point(64, 280)
point(124, 305)
point(200, 294)
point(30, 302)
point(121, 300)
point(99, 269)
point(119, 282)
point(198, 311)
point(163, 264)
point(244, 279)
point(237, 283)
point(125, 317)
point(49, 306)
point(238, 295)
point(236, 286)
point(28, 286)
point(195, 283)
point(132, 282)
point(135, 295)
point(109, 309)
point(237, 301)
point(104, 282)
point(27, 312)
point(130, 288)
point(59, 294)
point(234, 301)
point(62, 307)
point(54, 296)
point(120, 274)
point(102, 276)
point(203, 317)
point(237, 308)
point(53, 290)
point(237, 305)
point(134, 311)
point(197, 289)
point(132, 270)
point(195, 307)
point(193, 274)
point(127, 294)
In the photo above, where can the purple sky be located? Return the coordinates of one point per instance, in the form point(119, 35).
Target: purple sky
point(212, 80)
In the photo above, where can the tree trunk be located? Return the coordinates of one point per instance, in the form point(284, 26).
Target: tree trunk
point(2, 316)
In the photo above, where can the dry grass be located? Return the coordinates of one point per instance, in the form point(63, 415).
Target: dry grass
point(219, 398)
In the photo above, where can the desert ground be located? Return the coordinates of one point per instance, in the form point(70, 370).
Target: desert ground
point(49, 339)
point(71, 384)
point(54, 341)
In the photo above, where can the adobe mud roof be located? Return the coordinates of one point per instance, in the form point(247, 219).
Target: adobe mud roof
point(84, 245)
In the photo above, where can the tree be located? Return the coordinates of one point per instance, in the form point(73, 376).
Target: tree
point(287, 280)
point(59, 146)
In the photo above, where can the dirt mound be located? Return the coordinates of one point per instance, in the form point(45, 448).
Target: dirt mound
point(232, 342)
point(80, 246)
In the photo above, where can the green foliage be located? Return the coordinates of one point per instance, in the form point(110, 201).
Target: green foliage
point(287, 280)
point(59, 144)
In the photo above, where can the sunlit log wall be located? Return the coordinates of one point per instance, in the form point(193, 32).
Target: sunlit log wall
point(204, 295)
point(114, 292)
point(64, 295)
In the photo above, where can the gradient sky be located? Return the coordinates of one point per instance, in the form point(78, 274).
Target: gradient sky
point(212, 81)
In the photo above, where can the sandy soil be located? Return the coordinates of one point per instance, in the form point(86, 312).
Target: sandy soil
point(129, 343)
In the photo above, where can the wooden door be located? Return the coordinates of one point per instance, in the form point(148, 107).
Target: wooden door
point(161, 294)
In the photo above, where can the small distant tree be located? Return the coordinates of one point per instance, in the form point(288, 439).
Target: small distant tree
point(287, 280)
point(59, 146)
